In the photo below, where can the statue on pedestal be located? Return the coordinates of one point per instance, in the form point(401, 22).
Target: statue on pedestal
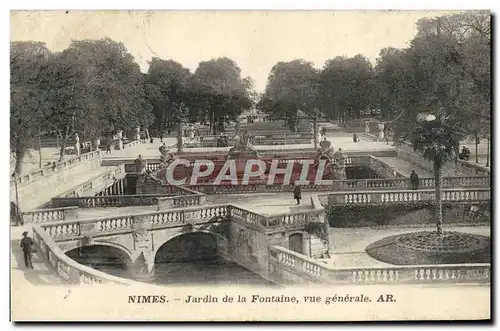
point(77, 144)
point(325, 150)
point(138, 133)
point(163, 151)
point(242, 147)
point(339, 162)
point(381, 127)
point(140, 165)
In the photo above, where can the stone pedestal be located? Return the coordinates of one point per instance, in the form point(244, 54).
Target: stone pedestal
point(119, 140)
point(97, 143)
point(381, 128)
point(77, 144)
point(138, 133)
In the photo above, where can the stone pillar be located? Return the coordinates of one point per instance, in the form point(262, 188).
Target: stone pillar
point(119, 140)
point(97, 143)
point(381, 127)
point(77, 144)
point(138, 133)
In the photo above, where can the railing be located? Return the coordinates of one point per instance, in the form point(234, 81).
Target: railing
point(109, 200)
point(247, 217)
point(344, 185)
point(284, 261)
point(130, 143)
point(92, 185)
point(47, 171)
point(127, 223)
point(68, 269)
point(384, 169)
point(181, 201)
point(50, 215)
point(474, 168)
point(476, 194)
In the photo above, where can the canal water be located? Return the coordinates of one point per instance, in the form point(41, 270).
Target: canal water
point(214, 272)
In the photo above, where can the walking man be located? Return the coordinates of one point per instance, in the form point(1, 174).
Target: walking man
point(26, 245)
point(161, 136)
point(297, 195)
point(414, 180)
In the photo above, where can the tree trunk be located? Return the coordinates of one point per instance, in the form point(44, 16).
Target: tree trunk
point(488, 153)
point(63, 144)
point(61, 150)
point(477, 143)
point(147, 134)
point(438, 187)
point(179, 137)
point(212, 123)
point(315, 131)
point(19, 161)
point(39, 153)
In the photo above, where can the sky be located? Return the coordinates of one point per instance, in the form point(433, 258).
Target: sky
point(255, 40)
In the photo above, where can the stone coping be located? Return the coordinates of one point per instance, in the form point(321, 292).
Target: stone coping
point(73, 271)
point(38, 174)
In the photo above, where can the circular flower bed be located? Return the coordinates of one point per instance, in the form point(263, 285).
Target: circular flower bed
point(427, 247)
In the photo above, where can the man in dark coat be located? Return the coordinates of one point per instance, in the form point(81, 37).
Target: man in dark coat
point(414, 180)
point(297, 195)
point(26, 245)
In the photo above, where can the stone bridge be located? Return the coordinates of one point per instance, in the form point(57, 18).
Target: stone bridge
point(241, 236)
point(271, 246)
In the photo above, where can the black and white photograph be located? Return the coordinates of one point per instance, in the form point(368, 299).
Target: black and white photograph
point(326, 153)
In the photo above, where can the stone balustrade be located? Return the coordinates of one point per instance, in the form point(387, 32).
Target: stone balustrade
point(130, 144)
point(474, 168)
point(284, 265)
point(456, 195)
point(127, 223)
point(181, 201)
point(384, 169)
point(98, 183)
point(109, 201)
point(248, 218)
point(68, 269)
point(50, 215)
point(39, 174)
point(344, 185)
point(289, 266)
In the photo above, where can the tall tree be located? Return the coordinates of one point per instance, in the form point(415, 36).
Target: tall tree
point(346, 87)
point(220, 93)
point(434, 138)
point(95, 88)
point(391, 82)
point(291, 87)
point(168, 88)
point(29, 63)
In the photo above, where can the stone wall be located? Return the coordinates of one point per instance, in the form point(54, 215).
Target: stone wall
point(404, 215)
point(35, 191)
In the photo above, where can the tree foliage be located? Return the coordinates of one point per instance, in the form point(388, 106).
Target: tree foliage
point(291, 87)
point(219, 93)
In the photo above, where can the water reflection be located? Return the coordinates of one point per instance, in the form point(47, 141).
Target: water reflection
point(214, 272)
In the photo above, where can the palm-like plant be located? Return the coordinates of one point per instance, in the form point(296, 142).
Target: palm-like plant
point(435, 138)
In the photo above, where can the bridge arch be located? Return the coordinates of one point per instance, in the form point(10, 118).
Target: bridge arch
point(117, 250)
point(216, 243)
